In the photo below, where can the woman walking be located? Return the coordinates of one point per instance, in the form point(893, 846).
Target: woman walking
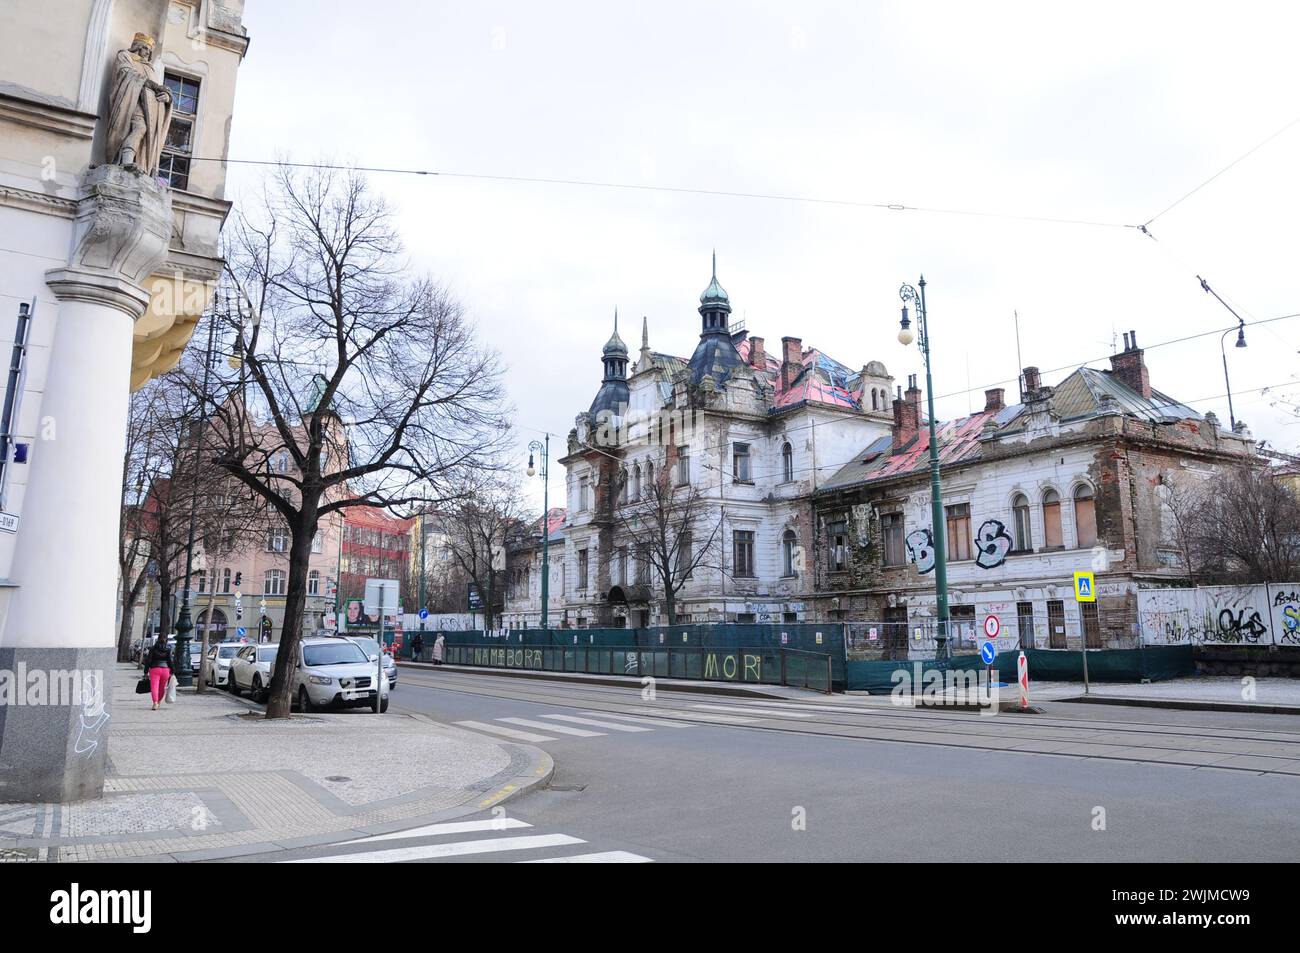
point(439, 645)
point(159, 665)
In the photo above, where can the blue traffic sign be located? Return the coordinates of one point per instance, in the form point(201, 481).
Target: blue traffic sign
point(241, 632)
point(424, 613)
point(988, 652)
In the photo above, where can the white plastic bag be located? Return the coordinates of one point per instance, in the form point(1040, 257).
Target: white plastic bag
point(171, 690)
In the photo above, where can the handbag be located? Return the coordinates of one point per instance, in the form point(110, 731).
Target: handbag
point(142, 686)
point(171, 690)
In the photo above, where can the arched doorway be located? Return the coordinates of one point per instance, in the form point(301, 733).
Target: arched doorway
point(218, 631)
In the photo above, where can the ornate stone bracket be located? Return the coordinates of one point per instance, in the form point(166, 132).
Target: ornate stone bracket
point(124, 224)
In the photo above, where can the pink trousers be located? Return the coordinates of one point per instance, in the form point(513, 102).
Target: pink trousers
point(158, 679)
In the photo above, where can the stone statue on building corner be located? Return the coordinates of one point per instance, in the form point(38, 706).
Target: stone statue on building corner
point(139, 110)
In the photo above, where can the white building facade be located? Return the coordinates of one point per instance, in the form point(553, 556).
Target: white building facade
point(109, 259)
point(737, 435)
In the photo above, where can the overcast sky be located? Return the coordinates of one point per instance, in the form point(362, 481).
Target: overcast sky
point(1104, 112)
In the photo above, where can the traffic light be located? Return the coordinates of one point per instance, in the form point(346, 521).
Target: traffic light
point(239, 577)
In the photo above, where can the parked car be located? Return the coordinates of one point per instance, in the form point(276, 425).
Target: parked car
point(219, 658)
point(371, 648)
point(251, 669)
point(333, 672)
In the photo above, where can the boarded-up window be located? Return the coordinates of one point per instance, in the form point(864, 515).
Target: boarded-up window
point(1085, 516)
point(1055, 624)
point(959, 546)
point(892, 530)
point(1052, 538)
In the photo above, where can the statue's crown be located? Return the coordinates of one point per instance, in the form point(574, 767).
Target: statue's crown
point(144, 38)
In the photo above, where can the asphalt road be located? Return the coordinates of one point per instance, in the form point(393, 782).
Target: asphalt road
point(689, 777)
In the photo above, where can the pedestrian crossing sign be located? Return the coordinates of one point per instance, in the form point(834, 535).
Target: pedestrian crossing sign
point(1085, 587)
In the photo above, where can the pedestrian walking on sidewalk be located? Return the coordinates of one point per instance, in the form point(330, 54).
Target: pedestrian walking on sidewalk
point(417, 646)
point(159, 665)
point(438, 645)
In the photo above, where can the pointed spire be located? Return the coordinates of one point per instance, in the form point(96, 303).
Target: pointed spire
point(715, 264)
point(616, 319)
point(645, 333)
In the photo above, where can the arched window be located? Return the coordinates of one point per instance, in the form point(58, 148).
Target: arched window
point(787, 462)
point(273, 582)
point(1052, 538)
point(636, 482)
point(1085, 515)
point(313, 582)
point(789, 545)
point(649, 478)
point(1020, 523)
point(622, 485)
point(875, 399)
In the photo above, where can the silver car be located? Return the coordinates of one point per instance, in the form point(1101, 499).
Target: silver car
point(251, 669)
point(219, 657)
point(371, 648)
point(334, 672)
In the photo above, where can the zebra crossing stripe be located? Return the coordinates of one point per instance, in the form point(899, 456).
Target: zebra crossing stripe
point(490, 845)
point(505, 732)
point(601, 857)
point(576, 732)
point(597, 724)
point(451, 827)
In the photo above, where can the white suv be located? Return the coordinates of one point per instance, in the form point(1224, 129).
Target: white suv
point(251, 669)
point(336, 672)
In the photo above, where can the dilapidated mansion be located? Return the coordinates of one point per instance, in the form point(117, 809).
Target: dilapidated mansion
point(742, 484)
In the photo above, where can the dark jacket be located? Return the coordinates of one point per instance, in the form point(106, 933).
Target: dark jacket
point(159, 655)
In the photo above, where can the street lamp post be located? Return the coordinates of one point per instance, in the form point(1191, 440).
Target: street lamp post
point(1241, 342)
point(184, 624)
point(905, 337)
point(544, 451)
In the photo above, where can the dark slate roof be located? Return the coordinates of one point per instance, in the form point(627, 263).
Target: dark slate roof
point(1078, 397)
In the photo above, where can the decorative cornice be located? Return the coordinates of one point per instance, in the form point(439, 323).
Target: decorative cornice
point(27, 200)
point(48, 116)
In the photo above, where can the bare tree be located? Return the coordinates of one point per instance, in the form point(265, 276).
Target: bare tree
point(163, 487)
point(1240, 525)
point(672, 528)
point(479, 531)
point(358, 385)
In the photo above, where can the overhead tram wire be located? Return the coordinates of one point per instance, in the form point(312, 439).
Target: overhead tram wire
point(678, 190)
point(1245, 155)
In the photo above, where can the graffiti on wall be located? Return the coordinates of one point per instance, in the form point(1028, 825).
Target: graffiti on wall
point(920, 549)
point(1286, 616)
point(1220, 615)
point(993, 544)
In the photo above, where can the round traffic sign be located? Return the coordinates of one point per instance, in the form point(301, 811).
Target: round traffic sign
point(992, 626)
point(988, 652)
point(424, 613)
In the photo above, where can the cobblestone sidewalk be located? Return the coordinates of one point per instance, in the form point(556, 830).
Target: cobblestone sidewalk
point(208, 777)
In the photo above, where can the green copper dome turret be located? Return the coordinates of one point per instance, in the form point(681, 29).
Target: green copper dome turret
point(715, 296)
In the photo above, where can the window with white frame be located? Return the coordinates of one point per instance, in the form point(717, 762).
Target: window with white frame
point(313, 582)
point(273, 582)
point(741, 471)
point(787, 463)
point(277, 540)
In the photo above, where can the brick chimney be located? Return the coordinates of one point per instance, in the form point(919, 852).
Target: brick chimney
point(757, 356)
point(1033, 381)
point(791, 360)
point(994, 399)
point(1129, 367)
point(907, 414)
